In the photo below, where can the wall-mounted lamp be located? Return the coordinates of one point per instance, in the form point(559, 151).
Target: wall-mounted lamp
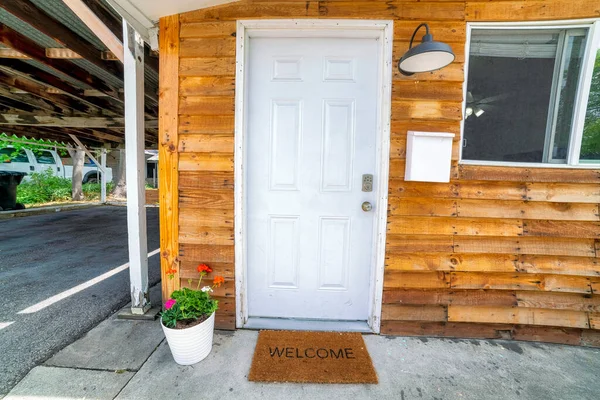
point(427, 56)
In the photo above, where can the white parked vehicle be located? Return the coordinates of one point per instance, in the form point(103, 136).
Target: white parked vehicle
point(39, 160)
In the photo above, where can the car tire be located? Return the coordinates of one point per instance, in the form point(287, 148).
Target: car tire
point(91, 179)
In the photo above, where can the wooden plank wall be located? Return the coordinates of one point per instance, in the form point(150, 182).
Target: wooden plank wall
point(151, 196)
point(168, 170)
point(497, 252)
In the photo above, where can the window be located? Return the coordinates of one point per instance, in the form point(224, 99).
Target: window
point(524, 95)
point(9, 153)
point(44, 157)
point(590, 145)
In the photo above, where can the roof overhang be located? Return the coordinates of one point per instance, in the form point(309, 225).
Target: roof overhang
point(144, 14)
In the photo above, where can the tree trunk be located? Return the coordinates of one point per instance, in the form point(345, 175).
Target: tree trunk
point(120, 188)
point(77, 178)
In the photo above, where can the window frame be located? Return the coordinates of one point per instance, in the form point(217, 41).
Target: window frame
point(37, 158)
point(20, 152)
point(583, 91)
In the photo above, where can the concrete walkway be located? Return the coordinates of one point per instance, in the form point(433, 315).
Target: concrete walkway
point(130, 360)
point(61, 275)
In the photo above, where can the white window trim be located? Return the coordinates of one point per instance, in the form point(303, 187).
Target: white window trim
point(583, 92)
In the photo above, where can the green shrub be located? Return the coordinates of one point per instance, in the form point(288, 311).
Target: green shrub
point(91, 191)
point(44, 187)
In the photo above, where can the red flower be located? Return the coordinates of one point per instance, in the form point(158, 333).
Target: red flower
point(171, 272)
point(218, 281)
point(204, 268)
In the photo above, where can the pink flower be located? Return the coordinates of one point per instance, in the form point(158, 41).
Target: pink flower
point(170, 303)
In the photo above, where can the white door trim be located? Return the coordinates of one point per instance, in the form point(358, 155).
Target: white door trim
point(383, 30)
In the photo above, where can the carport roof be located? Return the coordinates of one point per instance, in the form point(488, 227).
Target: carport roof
point(55, 75)
point(148, 12)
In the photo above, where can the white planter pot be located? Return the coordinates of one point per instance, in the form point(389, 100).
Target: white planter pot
point(191, 345)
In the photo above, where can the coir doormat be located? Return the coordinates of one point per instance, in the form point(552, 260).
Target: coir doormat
point(311, 357)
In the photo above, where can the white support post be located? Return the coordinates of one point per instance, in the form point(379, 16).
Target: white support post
point(134, 156)
point(103, 176)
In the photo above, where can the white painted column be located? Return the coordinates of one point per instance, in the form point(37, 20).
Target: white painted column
point(134, 156)
point(103, 176)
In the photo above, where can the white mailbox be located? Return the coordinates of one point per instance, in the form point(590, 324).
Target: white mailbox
point(428, 156)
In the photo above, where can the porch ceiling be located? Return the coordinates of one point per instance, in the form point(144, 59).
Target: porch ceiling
point(153, 10)
point(55, 70)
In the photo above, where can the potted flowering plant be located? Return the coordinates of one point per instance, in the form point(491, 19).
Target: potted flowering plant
point(188, 319)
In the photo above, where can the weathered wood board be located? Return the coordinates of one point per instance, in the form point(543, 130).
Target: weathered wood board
point(497, 252)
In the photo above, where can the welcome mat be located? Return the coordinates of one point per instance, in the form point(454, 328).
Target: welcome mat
point(311, 357)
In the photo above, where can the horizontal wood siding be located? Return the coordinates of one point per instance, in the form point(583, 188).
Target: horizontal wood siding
point(496, 253)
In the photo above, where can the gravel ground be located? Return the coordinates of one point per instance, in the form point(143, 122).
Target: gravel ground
point(43, 255)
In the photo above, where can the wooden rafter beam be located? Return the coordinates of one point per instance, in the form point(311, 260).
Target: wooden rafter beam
point(23, 44)
point(61, 53)
point(97, 134)
point(88, 140)
point(97, 26)
point(69, 122)
point(105, 136)
point(63, 133)
point(40, 90)
point(33, 101)
point(82, 134)
point(19, 105)
point(47, 79)
point(27, 11)
point(93, 93)
point(66, 54)
point(10, 53)
point(109, 56)
point(8, 110)
point(44, 80)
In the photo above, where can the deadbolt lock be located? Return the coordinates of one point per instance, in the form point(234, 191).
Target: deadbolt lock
point(367, 183)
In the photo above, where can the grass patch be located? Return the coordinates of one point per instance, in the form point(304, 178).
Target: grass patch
point(44, 187)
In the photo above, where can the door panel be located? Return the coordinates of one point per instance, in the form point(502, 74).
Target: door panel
point(334, 253)
point(338, 145)
point(312, 127)
point(282, 263)
point(284, 146)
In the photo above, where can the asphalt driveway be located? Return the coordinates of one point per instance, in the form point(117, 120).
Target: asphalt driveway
point(44, 255)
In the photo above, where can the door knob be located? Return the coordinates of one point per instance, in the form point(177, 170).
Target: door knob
point(366, 206)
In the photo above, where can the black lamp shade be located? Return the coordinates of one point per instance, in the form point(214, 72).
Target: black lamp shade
point(427, 56)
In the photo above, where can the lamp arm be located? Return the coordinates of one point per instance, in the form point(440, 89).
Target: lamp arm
point(415, 33)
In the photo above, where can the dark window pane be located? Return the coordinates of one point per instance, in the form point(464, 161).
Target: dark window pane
point(44, 157)
point(13, 155)
point(508, 94)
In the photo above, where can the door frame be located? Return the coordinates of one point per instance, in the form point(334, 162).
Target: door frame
point(325, 28)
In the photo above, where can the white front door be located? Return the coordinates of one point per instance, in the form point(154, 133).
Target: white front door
point(311, 136)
